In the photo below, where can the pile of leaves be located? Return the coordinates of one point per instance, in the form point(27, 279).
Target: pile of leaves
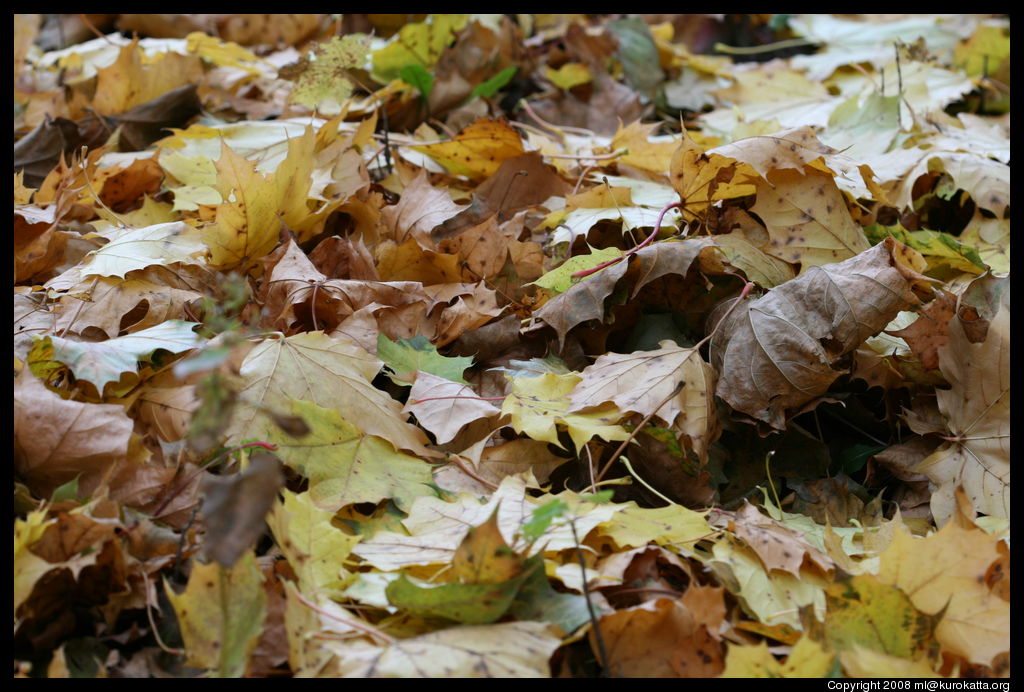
point(511, 345)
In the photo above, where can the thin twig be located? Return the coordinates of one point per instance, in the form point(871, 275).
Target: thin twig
point(354, 624)
point(636, 430)
point(455, 459)
point(602, 651)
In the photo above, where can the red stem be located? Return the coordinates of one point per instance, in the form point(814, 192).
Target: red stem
point(647, 241)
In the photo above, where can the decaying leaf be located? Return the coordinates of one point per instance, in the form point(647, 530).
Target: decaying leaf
point(778, 353)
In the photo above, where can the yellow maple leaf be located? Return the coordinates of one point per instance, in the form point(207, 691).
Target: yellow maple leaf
point(808, 659)
point(643, 153)
point(134, 79)
point(947, 571)
point(536, 404)
point(478, 150)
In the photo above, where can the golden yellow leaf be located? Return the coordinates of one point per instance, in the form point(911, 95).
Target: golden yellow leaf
point(478, 150)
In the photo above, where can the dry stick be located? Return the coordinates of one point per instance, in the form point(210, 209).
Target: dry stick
point(647, 241)
point(368, 629)
point(743, 294)
point(605, 670)
point(455, 459)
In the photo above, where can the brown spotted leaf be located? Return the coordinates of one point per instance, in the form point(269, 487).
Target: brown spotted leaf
point(807, 219)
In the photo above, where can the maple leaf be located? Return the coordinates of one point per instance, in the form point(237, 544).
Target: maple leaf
point(536, 404)
point(583, 301)
point(478, 151)
point(779, 352)
point(504, 650)
point(444, 407)
point(325, 78)
point(160, 244)
point(328, 372)
point(105, 361)
point(977, 411)
point(945, 572)
point(345, 465)
point(315, 549)
point(221, 614)
point(644, 381)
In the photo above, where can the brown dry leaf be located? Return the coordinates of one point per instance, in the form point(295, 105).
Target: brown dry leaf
point(641, 381)
point(113, 305)
point(659, 639)
point(519, 183)
point(929, 332)
point(977, 413)
point(778, 546)
point(235, 506)
point(584, 301)
point(344, 258)
point(778, 353)
point(298, 297)
point(421, 208)
point(807, 218)
point(667, 257)
point(38, 245)
point(56, 440)
point(410, 262)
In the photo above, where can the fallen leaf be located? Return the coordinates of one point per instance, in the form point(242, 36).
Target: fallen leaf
point(221, 614)
point(777, 353)
point(976, 409)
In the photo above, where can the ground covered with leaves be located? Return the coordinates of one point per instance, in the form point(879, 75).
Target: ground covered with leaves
point(511, 345)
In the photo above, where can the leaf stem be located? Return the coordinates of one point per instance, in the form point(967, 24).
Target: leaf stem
point(647, 241)
point(602, 652)
point(636, 430)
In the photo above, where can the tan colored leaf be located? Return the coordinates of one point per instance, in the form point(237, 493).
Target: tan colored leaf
point(331, 373)
point(667, 257)
point(57, 440)
point(421, 208)
point(453, 406)
point(946, 572)
point(793, 149)
point(807, 219)
point(584, 301)
point(641, 381)
point(778, 546)
point(977, 413)
point(659, 639)
point(779, 352)
point(504, 650)
point(105, 305)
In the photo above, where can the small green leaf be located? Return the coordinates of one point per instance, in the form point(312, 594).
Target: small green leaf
point(406, 356)
point(542, 518)
point(417, 76)
point(490, 87)
point(68, 491)
point(470, 604)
